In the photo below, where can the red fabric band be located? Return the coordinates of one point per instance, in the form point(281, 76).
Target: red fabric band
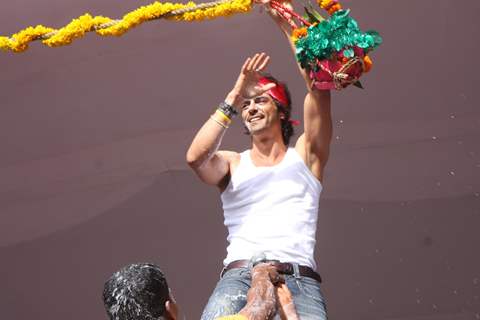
point(278, 92)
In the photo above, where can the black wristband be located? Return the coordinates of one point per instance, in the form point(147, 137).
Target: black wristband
point(227, 109)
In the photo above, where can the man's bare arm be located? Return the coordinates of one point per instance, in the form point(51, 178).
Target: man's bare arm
point(314, 144)
point(261, 299)
point(211, 165)
point(203, 156)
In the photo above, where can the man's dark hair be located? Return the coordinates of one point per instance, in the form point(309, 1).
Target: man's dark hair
point(287, 127)
point(136, 292)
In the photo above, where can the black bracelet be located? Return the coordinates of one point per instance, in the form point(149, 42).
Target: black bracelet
point(227, 110)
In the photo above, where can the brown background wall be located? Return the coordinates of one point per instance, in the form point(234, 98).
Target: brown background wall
point(92, 172)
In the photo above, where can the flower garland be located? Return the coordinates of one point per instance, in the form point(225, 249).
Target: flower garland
point(105, 26)
point(333, 50)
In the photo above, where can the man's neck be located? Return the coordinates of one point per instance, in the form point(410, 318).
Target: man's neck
point(267, 151)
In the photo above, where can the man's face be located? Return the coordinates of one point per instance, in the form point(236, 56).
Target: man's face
point(260, 114)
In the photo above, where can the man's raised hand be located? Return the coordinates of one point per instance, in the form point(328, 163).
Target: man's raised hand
point(246, 86)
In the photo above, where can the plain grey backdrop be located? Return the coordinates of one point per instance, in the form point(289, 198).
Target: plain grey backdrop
point(92, 173)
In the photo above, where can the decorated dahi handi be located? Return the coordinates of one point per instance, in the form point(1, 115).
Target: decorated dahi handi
point(333, 50)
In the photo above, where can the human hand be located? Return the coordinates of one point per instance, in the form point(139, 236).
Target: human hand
point(246, 86)
point(261, 300)
point(285, 306)
point(282, 19)
point(264, 270)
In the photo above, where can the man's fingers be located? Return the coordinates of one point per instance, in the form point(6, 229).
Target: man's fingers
point(256, 63)
point(285, 304)
point(266, 87)
point(259, 61)
point(263, 63)
point(245, 64)
point(252, 62)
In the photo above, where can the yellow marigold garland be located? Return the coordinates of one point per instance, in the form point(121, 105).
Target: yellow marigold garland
point(86, 23)
point(19, 41)
point(75, 29)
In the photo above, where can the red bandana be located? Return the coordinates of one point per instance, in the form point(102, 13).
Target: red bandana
point(278, 92)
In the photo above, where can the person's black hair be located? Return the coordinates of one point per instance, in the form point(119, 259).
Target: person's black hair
point(286, 124)
point(136, 292)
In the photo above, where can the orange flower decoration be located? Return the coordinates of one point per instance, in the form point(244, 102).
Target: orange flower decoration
point(367, 64)
point(331, 6)
point(334, 8)
point(298, 33)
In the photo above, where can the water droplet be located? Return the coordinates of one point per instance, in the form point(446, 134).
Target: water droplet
point(377, 251)
point(362, 209)
point(452, 173)
point(434, 307)
point(434, 138)
point(463, 95)
point(478, 165)
point(476, 194)
point(452, 116)
point(337, 137)
point(418, 301)
point(477, 316)
point(400, 260)
point(438, 184)
point(417, 290)
point(455, 292)
point(341, 121)
point(476, 281)
point(371, 301)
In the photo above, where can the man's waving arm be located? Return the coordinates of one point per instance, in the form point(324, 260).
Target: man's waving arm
point(211, 165)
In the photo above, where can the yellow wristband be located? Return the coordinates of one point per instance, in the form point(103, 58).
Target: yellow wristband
point(223, 116)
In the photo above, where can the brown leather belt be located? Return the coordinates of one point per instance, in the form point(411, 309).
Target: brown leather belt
point(282, 268)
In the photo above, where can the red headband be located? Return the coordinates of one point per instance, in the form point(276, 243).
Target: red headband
point(278, 92)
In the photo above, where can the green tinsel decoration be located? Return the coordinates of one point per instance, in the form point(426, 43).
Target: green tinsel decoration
point(338, 33)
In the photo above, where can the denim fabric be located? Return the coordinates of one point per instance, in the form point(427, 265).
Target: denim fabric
point(230, 296)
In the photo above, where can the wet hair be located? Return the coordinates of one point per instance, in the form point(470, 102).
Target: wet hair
point(136, 292)
point(286, 125)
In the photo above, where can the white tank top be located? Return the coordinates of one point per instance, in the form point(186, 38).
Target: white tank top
point(272, 210)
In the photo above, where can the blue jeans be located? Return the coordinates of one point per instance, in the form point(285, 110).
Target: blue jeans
point(230, 296)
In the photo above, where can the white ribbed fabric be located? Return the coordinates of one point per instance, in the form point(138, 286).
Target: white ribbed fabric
point(272, 210)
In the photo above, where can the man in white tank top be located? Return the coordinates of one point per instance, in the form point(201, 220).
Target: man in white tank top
point(270, 193)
